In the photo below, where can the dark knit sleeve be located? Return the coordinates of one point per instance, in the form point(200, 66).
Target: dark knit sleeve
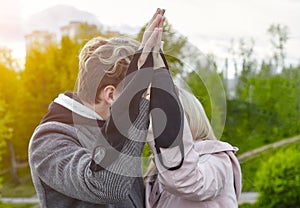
point(119, 176)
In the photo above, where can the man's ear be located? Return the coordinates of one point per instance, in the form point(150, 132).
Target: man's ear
point(107, 94)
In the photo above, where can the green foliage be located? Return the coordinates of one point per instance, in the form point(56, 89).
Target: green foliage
point(265, 110)
point(9, 83)
point(278, 180)
point(24, 189)
point(49, 70)
point(244, 125)
point(266, 106)
point(146, 157)
point(249, 168)
point(281, 96)
point(247, 205)
point(5, 130)
point(252, 165)
point(5, 122)
point(85, 32)
point(7, 60)
point(206, 84)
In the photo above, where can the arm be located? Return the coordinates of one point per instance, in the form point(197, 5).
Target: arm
point(199, 178)
point(175, 157)
point(63, 164)
point(106, 176)
point(167, 117)
point(125, 115)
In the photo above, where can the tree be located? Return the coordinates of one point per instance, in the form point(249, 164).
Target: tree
point(9, 85)
point(85, 32)
point(278, 38)
point(242, 53)
point(3, 121)
point(67, 62)
point(40, 84)
point(9, 77)
point(6, 136)
point(51, 68)
point(6, 58)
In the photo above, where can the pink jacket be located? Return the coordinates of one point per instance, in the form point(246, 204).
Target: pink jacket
point(210, 176)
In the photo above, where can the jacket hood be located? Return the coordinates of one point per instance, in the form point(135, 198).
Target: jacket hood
point(216, 146)
point(68, 109)
point(213, 146)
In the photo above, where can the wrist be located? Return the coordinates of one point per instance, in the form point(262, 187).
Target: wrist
point(158, 62)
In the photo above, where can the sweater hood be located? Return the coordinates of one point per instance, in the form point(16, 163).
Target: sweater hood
point(68, 109)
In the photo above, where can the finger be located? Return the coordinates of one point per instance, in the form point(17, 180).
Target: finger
point(149, 45)
point(161, 22)
point(152, 41)
point(158, 43)
point(158, 11)
point(155, 23)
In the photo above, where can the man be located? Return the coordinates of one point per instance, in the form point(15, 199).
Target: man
point(86, 150)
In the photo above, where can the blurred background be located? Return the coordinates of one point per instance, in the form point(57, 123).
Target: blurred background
point(240, 58)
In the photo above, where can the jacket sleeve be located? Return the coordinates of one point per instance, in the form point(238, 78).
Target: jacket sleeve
point(106, 173)
point(175, 157)
point(200, 177)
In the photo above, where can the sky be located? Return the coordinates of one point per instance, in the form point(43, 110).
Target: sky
point(208, 24)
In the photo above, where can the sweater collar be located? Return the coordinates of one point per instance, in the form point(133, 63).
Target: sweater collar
point(68, 109)
point(76, 107)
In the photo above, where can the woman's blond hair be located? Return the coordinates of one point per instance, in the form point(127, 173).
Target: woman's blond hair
point(198, 121)
point(103, 62)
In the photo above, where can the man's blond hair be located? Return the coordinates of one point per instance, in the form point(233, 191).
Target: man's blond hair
point(103, 62)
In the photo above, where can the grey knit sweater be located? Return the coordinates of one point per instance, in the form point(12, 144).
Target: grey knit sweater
point(69, 171)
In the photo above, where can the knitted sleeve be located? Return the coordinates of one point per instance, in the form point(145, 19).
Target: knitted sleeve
point(58, 160)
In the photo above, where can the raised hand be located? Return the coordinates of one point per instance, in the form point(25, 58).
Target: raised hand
point(152, 37)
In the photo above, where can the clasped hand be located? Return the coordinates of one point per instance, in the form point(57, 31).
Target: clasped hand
point(152, 40)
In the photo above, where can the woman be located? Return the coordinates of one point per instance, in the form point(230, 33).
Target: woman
point(192, 168)
point(210, 175)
